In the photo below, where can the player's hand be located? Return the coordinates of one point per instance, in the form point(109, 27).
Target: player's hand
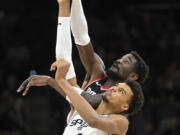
point(54, 66)
point(62, 67)
point(35, 80)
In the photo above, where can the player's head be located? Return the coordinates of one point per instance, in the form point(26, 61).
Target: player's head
point(130, 66)
point(125, 97)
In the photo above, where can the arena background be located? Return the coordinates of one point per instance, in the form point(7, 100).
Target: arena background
point(27, 46)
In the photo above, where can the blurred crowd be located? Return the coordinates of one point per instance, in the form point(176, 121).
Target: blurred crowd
point(27, 46)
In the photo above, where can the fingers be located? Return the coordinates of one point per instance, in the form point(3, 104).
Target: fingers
point(53, 66)
point(59, 63)
point(27, 88)
point(35, 80)
point(23, 85)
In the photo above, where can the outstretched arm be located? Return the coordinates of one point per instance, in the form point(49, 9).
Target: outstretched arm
point(64, 41)
point(40, 80)
point(79, 29)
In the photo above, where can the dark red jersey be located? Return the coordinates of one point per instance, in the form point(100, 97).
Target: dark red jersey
point(95, 86)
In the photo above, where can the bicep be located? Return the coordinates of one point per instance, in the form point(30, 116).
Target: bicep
point(111, 125)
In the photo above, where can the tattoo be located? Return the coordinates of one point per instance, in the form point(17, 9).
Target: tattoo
point(93, 100)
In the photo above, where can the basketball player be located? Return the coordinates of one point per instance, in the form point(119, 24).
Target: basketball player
point(108, 118)
point(130, 66)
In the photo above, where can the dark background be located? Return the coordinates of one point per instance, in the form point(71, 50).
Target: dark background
point(27, 46)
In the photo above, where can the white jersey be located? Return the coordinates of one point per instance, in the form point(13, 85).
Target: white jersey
point(77, 126)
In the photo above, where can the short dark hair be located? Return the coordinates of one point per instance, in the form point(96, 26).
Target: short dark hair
point(137, 100)
point(141, 68)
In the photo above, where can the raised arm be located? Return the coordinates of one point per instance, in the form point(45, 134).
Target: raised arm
point(80, 32)
point(64, 41)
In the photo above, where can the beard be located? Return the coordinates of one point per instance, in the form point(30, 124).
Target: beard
point(114, 75)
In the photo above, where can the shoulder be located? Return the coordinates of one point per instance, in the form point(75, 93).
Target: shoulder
point(96, 79)
point(121, 121)
point(119, 117)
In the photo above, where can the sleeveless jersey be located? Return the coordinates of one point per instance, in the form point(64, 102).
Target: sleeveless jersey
point(95, 86)
point(77, 126)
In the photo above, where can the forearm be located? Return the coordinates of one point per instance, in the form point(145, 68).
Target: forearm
point(79, 24)
point(63, 40)
point(64, 9)
point(54, 84)
point(80, 33)
point(80, 104)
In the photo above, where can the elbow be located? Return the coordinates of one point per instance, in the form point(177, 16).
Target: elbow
point(92, 122)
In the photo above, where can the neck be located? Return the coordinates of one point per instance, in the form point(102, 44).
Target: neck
point(104, 108)
point(110, 82)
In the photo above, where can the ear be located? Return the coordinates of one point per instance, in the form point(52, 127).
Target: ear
point(134, 76)
point(125, 107)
